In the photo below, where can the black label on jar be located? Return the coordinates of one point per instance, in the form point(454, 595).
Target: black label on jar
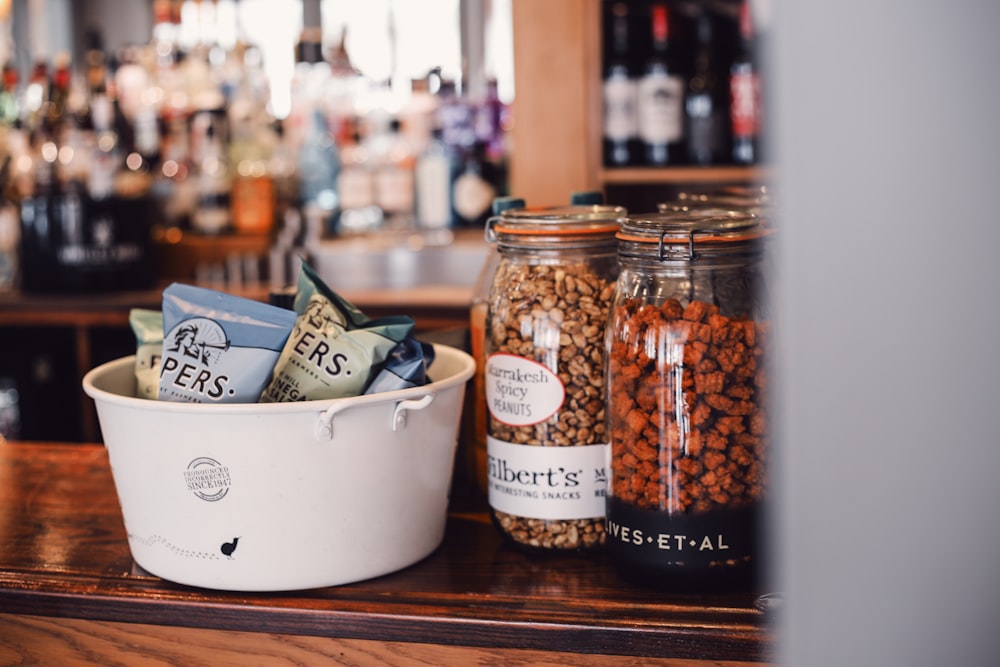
point(658, 541)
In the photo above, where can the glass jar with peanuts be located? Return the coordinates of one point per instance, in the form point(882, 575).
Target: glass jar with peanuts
point(547, 444)
point(687, 400)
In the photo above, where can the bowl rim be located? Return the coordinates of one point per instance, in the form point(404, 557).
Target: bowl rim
point(464, 373)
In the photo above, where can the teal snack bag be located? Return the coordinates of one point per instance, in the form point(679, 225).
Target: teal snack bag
point(334, 349)
point(218, 348)
point(147, 325)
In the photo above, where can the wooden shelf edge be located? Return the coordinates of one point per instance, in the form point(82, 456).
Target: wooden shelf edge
point(678, 175)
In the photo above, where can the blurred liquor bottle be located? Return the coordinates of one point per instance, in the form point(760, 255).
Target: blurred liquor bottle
point(86, 212)
point(621, 129)
point(454, 117)
point(357, 211)
point(706, 104)
point(475, 187)
point(318, 168)
point(213, 214)
point(661, 95)
point(745, 95)
point(394, 165)
point(253, 196)
point(434, 176)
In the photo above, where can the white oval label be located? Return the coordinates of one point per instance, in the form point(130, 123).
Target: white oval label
point(521, 392)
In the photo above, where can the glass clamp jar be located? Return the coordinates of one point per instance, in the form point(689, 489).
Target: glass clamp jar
point(547, 443)
point(687, 400)
point(477, 342)
point(754, 201)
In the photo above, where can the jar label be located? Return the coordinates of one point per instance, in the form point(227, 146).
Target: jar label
point(660, 540)
point(521, 392)
point(551, 483)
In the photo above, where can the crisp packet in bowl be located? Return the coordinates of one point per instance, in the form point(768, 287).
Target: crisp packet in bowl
point(147, 325)
point(406, 367)
point(218, 348)
point(334, 350)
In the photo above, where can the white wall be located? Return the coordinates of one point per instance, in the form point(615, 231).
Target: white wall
point(123, 22)
point(43, 28)
point(886, 118)
point(49, 28)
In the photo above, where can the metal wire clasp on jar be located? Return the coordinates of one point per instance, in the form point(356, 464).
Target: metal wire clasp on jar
point(687, 400)
point(547, 441)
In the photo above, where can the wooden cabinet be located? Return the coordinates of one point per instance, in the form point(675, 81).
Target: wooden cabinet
point(556, 136)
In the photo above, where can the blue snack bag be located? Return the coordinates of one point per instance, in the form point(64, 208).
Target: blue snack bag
point(218, 348)
point(406, 367)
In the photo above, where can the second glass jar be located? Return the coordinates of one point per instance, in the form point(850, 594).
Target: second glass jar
point(687, 400)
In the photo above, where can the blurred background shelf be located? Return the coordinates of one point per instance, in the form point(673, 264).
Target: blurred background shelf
point(682, 176)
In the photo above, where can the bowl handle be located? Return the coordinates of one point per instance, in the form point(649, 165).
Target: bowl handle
point(324, 424)
point(399, 412)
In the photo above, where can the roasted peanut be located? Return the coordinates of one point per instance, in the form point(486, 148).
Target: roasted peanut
point(554, 315)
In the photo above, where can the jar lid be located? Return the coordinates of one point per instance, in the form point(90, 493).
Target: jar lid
point(557, 221)
point(714, 205)
point(756, 200)
point(675, 234)
point(735, 196)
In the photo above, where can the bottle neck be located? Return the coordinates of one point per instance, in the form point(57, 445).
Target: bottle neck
point(661, 29)
point(619, 41)
point(746, 24)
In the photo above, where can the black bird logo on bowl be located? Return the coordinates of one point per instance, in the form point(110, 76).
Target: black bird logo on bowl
point(228, 548)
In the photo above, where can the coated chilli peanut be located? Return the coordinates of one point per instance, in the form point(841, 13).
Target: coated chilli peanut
point(687, 407)
point(554, 315)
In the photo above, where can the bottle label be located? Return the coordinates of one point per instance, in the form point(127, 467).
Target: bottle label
point(621, 121)
point(210, 218)
point(253, 204)
point(101, 180)
point(745, 111)
point(96, 236)
point(551, 483)
point(473, 195)
point(433, 185)
point(394, 189)
point(357, 188)
point(661, 108)
point(520, 391)
point(706, 125)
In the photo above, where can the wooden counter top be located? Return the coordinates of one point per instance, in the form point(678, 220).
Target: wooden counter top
point(64, 555)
